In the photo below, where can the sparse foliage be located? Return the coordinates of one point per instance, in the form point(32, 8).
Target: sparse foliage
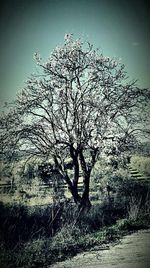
point(77, 105)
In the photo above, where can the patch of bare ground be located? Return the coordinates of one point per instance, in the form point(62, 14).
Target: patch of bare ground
point(133, 251)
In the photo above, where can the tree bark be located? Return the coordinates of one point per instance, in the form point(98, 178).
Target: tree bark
point(85, 203)
point(74, 188)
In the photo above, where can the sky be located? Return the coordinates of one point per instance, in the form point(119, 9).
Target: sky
point(119, 28)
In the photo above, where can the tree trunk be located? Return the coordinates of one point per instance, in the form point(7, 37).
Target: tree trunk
point(75, 195)
point(74, 185)
point(85, 203)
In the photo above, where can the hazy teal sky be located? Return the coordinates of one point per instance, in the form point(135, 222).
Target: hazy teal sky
point(119, 28)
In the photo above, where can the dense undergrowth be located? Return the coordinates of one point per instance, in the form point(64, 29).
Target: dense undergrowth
point(141, 163)
point(39, 236)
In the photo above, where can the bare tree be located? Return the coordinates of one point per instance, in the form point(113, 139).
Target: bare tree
point(71, 107)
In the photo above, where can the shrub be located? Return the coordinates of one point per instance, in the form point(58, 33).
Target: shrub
point(141, 163)
point(20, 223)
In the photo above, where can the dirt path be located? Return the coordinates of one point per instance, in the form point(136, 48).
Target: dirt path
point(133, 251)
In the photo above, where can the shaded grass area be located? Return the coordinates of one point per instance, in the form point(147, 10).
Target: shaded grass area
point(44, 252)
point(41, 236)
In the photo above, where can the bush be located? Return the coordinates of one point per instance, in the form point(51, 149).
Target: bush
point(21, 223)
point(142, 164)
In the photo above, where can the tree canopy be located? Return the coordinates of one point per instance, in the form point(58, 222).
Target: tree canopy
point(77, 103)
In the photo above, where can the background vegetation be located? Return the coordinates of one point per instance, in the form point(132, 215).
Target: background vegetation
point(39, 235)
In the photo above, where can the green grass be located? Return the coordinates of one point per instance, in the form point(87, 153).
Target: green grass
point(66, 243)
point(26, 233)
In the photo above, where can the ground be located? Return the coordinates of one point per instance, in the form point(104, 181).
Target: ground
point(133, 251)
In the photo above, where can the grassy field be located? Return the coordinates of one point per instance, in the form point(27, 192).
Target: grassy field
point(36, 232)
point(34, 237)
